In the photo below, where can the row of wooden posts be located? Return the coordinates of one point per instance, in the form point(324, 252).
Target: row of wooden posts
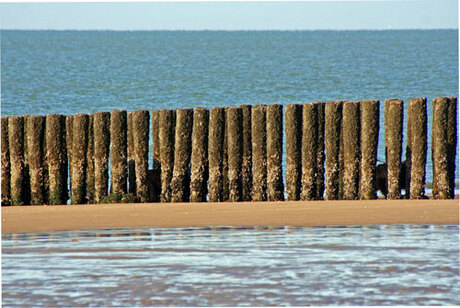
point(226, 153)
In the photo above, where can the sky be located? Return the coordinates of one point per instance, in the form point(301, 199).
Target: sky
point(307, 15)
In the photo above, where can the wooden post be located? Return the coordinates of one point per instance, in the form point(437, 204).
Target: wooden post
point(235, 153)
point(393, 146)
point(180, 183)
point(259, 153)
point(369, 143)
point(452, 143)
point(131, 162)
point(309, 146)
point(141, 125)
point(6, 165)
point(216, 153)
point(56, 143)
point(351, 149)
point(333, 117)
point(225, 187)
point(79, 149)
point(90, 158)
point(156, 170)
point(275, 186)
point(36, 153)
point(417, 108)
point(16, 143)
point(320, 155)
point(408, 153)
point(166, 136)
point(246, 172)
point(68, 144)
point(293, 120)
point(101, 154)
point(440, 148)
point(119, 152)
point(200, 171)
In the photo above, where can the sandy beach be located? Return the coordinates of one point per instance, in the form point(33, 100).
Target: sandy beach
point(293, 213)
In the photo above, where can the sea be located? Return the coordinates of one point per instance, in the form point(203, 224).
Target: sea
point(70, 72)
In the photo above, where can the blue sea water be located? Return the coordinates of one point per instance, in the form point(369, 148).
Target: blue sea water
point(88, 71)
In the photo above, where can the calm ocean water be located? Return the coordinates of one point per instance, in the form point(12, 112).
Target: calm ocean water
point(348, 265)
point(88, 71)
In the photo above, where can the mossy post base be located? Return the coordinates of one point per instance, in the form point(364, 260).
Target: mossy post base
point(199, 172)
point(259, 153)
point(351, 149)
point(369, 143)
point(309, 146)
point(293, 128)
point(119, 152)
point(56, 153)
point(235, 153)
point(418, 111)
point(216, 153)
point(180, 183)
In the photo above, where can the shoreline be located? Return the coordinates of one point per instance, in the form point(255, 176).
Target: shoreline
point(29, 219)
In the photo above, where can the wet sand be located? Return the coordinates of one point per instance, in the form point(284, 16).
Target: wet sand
point(290, 213)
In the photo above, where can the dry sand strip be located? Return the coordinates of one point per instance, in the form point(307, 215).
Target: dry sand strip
point(23, 219)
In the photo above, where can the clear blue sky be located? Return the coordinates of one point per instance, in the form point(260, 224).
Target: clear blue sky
point(384, 14)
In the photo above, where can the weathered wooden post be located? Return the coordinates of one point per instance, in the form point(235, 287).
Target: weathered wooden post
point(246, 172)
point(225, 187)
point(417, 108)
point(16, 143)
point(56, 127)
point(200, 171)
point(131, 162)
point(351, 149)
point(259, 153)
point(275, 186)
point(36, 153)
point(393, 144)
point(216, 153)
point(440, 148)
point(26, 180)
point(6, 166)
point(408, 153)
point(369, 143)
point(452, 143)
point(293, 128)
point(309, 146)
point(333, 118)
point(79, 149)
point(320, 155)
point(68, 144)
point(101, 137)
point(180, 183)
point(90, 173)
point(166, 137)
point(119, 152)
point(235, 153)
point(141, 125)
point(155, 180)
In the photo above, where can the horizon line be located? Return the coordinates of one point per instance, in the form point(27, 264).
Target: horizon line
point(227, 30)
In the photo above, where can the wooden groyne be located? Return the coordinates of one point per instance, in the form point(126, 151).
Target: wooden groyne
point(229, 154)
